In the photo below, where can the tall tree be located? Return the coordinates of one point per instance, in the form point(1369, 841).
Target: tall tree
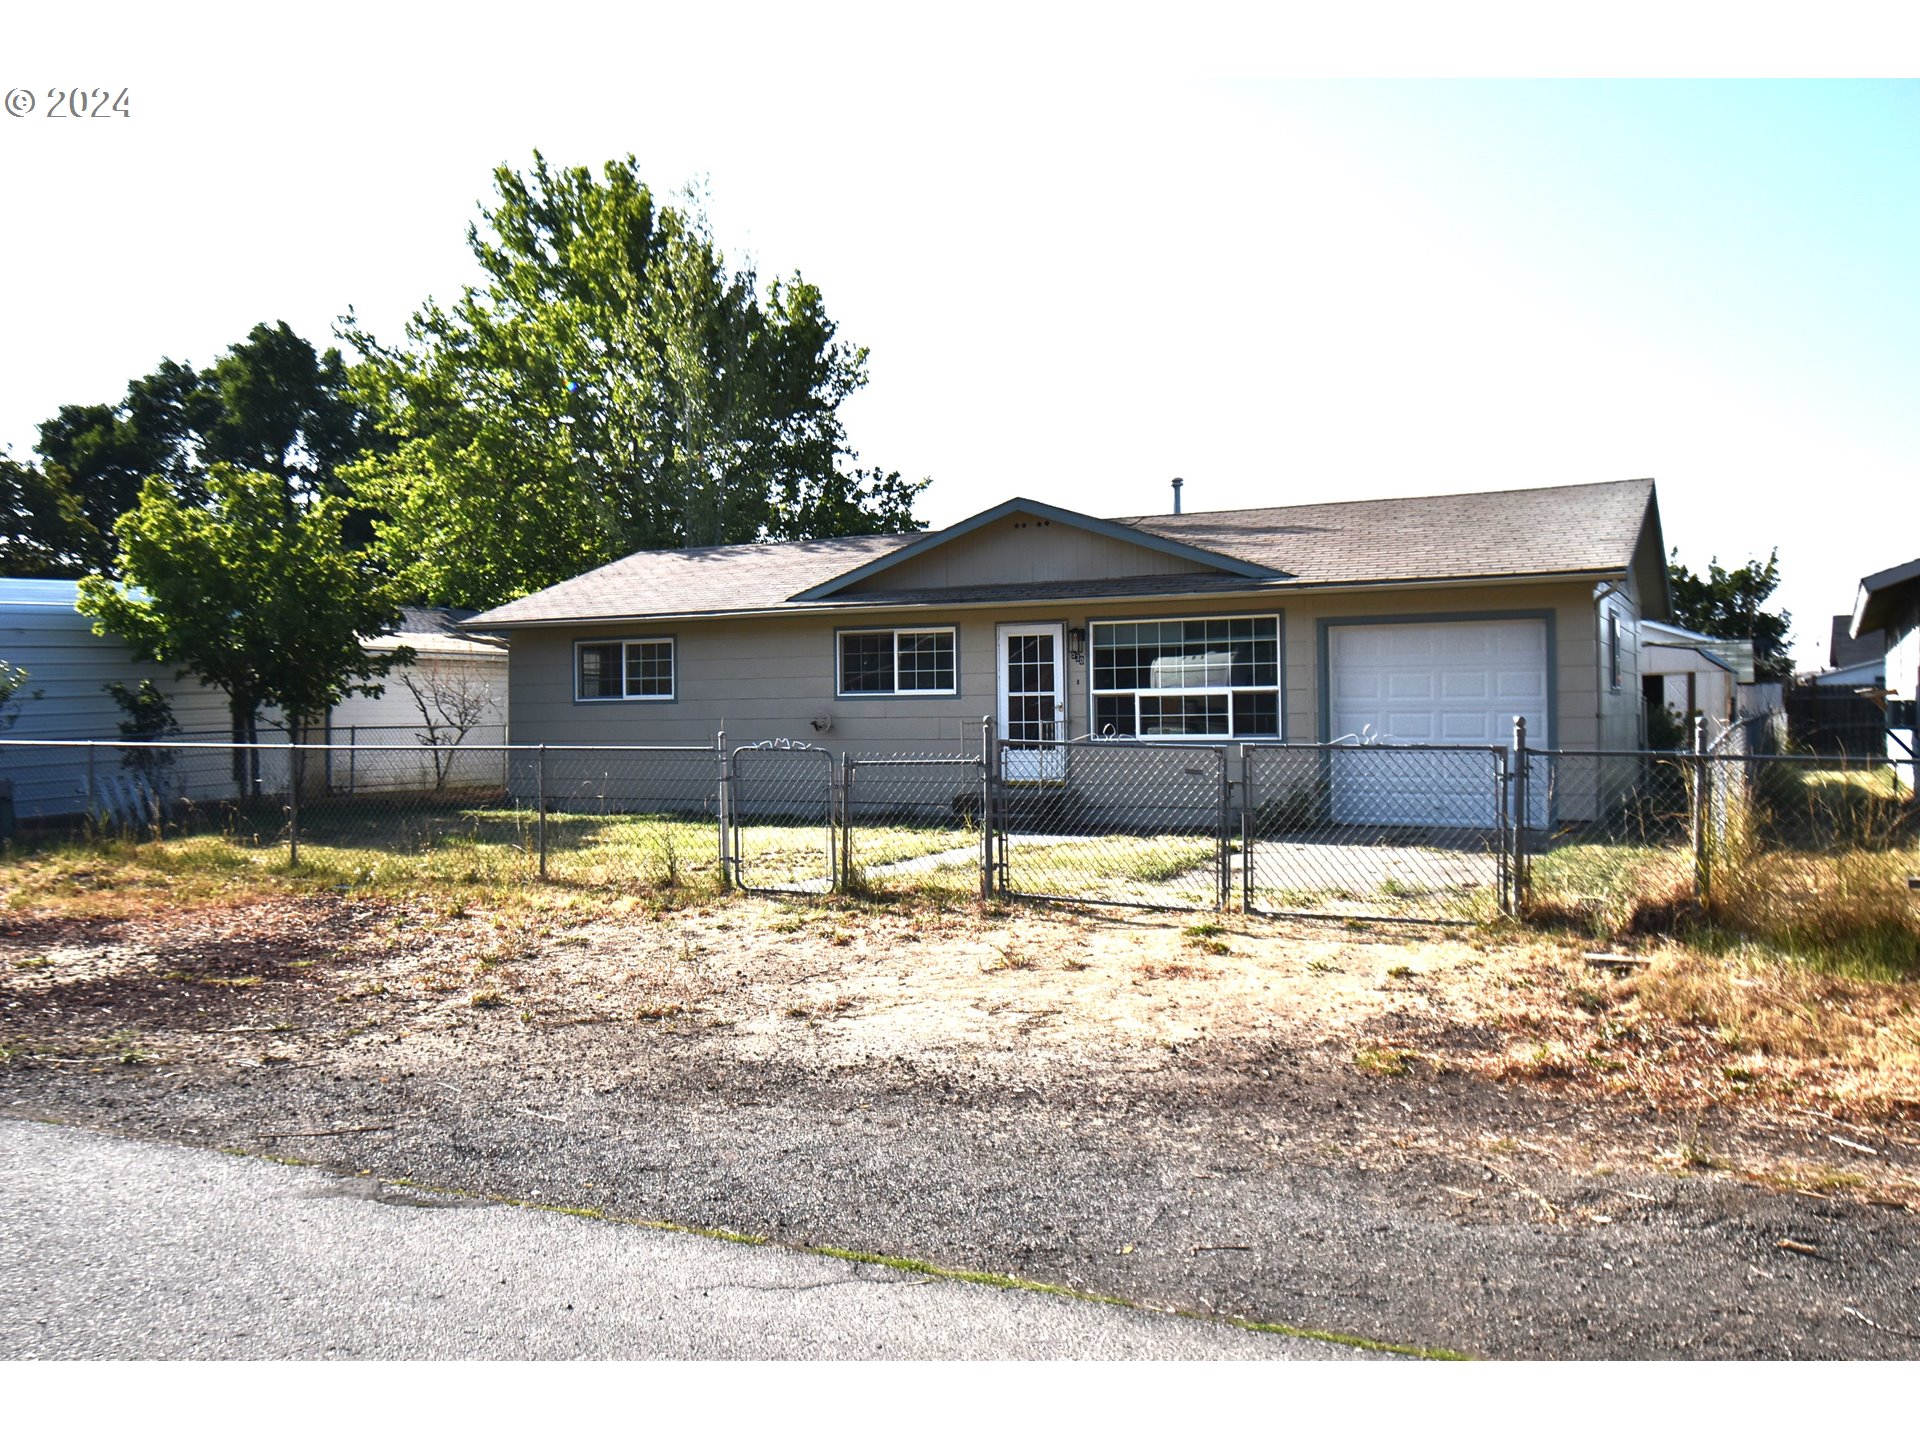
point(611, 385)
point(1731, 604)
point(42, 529)
point(272, 403)
point(266, 605)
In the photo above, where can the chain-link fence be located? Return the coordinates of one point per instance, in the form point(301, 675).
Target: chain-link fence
point(781, 813)
point(1609, 834)
point(1117, 823)
point(611, 815)
point(1374, 831)
point(914, 823)
point(1610, 840)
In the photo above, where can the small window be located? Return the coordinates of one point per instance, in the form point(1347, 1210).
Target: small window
point(623, 670)
point(1613, 650)
point(898, 662)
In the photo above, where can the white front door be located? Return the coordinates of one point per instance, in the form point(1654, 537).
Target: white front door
point(1033, 702)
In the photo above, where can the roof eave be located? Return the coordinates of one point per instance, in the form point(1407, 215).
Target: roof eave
point(1281, 586)
point(1873, 606)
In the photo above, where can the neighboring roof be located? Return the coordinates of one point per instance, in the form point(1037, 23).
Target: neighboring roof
point(1561, 530)
point(1733, 655)
point(39, 595)
point(1844, 650)
point(1650, 664)
point(1862, 673)
point(427, 629)
point(1882, 597)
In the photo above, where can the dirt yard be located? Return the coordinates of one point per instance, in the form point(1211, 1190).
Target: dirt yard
point(1468, 1140)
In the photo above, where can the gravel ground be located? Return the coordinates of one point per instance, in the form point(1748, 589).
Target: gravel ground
point(1244, 1169)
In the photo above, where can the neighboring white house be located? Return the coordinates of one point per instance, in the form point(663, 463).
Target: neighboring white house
point(1889, 600)
point(69, 668)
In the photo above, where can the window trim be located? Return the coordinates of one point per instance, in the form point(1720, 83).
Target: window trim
point(1613, 650)
point(840, 691)
point(672, 642)
point(1278, 688)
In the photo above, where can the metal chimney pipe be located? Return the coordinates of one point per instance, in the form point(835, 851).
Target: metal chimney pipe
point(1177, 483)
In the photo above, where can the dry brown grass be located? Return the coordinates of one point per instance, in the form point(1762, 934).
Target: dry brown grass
point(1848, 910)
point(1745, 1027)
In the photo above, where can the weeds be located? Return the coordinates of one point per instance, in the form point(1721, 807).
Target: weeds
point(1385, 1062)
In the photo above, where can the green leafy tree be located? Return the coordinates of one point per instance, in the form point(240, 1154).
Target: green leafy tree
point(612, 385)
point(146, 716)
point(1731, 604)
point(42, 529)
point(13, 690)
point(264, 602)
point(272, 403)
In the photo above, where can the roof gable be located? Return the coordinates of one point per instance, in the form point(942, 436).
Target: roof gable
point(983, 544)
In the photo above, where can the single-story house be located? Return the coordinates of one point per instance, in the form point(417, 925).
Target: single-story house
point(1434, 619)
point(66, 698)
point(1889, 601)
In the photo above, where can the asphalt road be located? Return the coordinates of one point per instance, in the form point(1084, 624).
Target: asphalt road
point(128, 1249)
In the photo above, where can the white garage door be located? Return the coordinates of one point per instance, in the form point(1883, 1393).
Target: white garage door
point(1450, 683)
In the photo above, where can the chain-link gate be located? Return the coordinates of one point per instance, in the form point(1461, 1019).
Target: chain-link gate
point(1388, 832)
point(781, 826)
point(1117, 822)
point(914, 822)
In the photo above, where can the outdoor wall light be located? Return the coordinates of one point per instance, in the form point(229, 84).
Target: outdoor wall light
point(1077, 643)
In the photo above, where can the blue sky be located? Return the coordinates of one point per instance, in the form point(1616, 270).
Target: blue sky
point(1078, 274)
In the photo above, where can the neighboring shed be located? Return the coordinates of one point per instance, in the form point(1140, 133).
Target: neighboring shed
point(451, 668)
point(69, 668)
point(1693, 674)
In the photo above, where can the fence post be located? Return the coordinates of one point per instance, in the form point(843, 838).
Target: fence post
point(541, 824)
point(843, 871)
point(353, 757)
point(93, 794)
point(722, 809)
point(1223, 846)
point(1522, 808)
point(1246, 829)
point(986, 806)
point(1503, 796)
point(295, 761)
point(1698, 816)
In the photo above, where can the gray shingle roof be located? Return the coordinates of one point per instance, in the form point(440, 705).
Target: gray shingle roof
point(1570, 529)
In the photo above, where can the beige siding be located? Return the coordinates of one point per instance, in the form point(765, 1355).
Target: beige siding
point(771, 677)
point(1621, 710)
point(1024, 550)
